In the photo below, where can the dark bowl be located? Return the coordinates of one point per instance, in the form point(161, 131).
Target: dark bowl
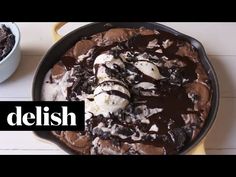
point(60, 47)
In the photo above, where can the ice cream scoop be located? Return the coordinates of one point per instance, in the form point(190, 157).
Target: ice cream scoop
point(109, 60)
point(148, 68)
point(110, 96)
point(104, 61)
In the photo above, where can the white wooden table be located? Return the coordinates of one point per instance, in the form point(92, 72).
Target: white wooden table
point(219, 40)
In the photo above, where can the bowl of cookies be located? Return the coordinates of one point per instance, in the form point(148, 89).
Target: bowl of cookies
point(10, 54)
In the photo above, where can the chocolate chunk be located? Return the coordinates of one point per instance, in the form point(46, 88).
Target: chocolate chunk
point(58, 71)
point(82, 47)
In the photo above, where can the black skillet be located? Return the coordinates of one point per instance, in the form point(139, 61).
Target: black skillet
point(60, 47)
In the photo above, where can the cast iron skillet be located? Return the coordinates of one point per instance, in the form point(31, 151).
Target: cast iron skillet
point(59, 48)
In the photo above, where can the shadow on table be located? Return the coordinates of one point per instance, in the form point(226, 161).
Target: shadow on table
point(27, 67)
point(33, 51)
point(220, 136)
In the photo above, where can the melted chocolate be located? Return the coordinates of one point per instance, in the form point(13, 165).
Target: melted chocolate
point(115, 93)
point(113, 82)
point(68, 61)
point(171, 95)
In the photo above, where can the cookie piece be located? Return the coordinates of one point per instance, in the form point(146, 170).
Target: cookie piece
point(82, 47)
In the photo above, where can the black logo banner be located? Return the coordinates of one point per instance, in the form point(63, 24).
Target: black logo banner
point(41, 115)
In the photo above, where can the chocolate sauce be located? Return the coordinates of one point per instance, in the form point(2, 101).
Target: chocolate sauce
point(113, 82)
point(170, 95)
point(68, 61)
point(115, 93)
point(172, 99)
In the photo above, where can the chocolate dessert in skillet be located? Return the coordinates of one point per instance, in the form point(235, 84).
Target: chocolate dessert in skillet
point(145, 91)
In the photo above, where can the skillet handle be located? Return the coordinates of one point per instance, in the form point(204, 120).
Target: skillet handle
point(199, 149)
point(55, 29)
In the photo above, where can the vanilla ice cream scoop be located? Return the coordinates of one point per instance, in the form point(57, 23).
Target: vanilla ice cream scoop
point(56, 91)
point(109, 60)
point(110, 96)
point(148, 68)
point(101, 74)
point(104, 61)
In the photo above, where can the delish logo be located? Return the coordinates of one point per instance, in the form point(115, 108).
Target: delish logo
point(42, 116)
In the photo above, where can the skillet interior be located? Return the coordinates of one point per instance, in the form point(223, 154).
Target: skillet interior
point(59, 48)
